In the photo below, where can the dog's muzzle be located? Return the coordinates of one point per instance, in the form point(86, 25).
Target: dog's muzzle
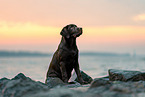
point(79, 32)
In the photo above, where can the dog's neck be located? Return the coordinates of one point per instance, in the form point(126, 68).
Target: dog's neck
point(68, 42)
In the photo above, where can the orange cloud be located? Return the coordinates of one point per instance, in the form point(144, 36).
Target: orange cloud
point(30, 33)
point(27, 29)
point(26, 33)
point(115, 34)
point(140, 17)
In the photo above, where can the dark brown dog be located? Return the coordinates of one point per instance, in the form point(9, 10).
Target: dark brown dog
point(65, 59)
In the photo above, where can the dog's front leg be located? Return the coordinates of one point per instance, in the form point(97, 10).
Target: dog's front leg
point(63, 72)
point(79, 76)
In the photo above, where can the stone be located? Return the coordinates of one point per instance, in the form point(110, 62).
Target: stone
point(21, 76)
point(85, 77)
point(99, 82)
point(125, 75)
point(119, 89)
point(3, 82)
point(73, 84)
point(21, 85)
point(54, 81)
point(58, 92)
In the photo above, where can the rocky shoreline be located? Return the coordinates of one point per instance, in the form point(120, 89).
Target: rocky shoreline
point(118, 83)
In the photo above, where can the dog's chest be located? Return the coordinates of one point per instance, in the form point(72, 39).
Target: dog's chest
point(72, 53)
point(70, 58)
point(69, 55)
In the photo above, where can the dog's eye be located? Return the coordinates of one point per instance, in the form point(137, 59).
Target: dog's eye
point(72, 29)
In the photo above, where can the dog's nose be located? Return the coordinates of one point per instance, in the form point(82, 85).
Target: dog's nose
point(80, 30)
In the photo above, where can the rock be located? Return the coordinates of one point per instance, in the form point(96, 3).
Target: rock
point(21, 76)
point(99, 82)
point(21, 85)
point(124, 75)
point(119, 89)
point(128, 87)
point(58, 92)
point(53, 82)
point(3, 82)
point(73, 84)
point(85, 77)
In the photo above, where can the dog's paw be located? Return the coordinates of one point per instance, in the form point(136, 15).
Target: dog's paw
point(65, 81)
point(83, 82)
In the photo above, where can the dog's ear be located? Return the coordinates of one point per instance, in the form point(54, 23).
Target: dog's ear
point(65, 33)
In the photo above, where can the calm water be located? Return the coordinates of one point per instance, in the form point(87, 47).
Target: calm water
point(95, 66)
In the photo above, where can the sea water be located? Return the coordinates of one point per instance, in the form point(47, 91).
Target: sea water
point(94, 65)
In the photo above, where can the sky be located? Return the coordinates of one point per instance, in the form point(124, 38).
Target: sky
point(108, 25)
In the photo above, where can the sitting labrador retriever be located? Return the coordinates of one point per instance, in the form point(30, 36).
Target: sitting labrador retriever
point(65, 59)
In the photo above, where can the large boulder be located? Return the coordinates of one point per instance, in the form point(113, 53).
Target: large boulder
point(85, 77)
point(20, 86)
point(124, 75)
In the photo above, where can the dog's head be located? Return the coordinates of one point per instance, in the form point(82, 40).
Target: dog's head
point(71, 30)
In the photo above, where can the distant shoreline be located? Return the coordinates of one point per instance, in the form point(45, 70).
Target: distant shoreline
point(22, 54)
point(103, 54)
point(40, 54)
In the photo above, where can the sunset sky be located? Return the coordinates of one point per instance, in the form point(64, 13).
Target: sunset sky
point(108, 25)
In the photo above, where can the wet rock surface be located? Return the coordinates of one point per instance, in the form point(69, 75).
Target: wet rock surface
point(119, 89)
point(22, 86)
point(125, 75)
point(19, 86)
